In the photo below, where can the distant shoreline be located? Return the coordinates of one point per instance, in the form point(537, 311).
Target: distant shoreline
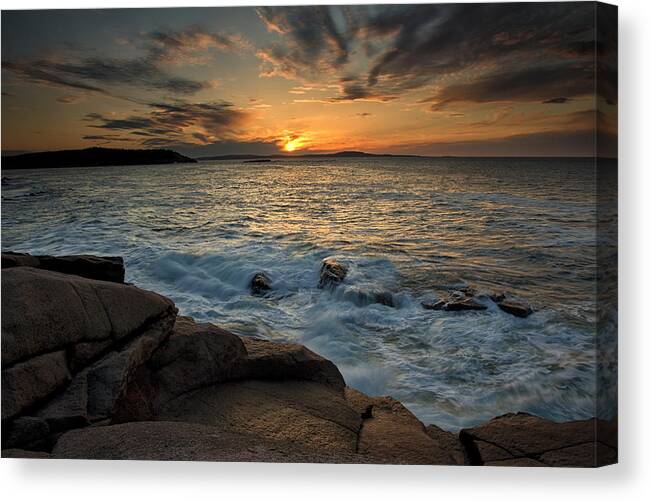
point(343, 154)
point(111, 157)
point(92, 157)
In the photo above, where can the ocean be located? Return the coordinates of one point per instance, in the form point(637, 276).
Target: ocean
point(413, 228)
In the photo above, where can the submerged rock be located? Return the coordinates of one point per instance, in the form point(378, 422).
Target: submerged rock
point(260, 284)
point(454, 303)
point(519, 309)
point(467, 298)
point(332, 273)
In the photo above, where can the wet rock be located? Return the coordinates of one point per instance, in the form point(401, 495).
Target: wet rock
point(385, 298)
point(332, 273)
point(523, 439)
point(364, 297)
point(517, 308)
point(107, 268)
point(497, 297)
point(454, 304)
point(260, 284)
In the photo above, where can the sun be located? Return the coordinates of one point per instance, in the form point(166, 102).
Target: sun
point(290, 146)
point(293, 143)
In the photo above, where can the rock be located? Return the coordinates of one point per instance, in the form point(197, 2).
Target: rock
point(308, 413)
point(95, 392)
point(460, 300)
point(101, 356)
point(385, 298)
point(433, 305)
point(25, 384)
point(394, 435)
point(174, 441)
point(497, 297)
point(447, 441)
point(25, 431)
point(260, 284)
point(24, 454)
point(516, 308)
point(453, 304)
point(523, 438)
point(364, 298)
point(82, 354)
point(332, 273)
point(108, 268)
point(44, 311)
point(196, 355)
point(283, 361)
point(11, 259)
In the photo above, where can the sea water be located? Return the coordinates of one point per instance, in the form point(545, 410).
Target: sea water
point(413, 228)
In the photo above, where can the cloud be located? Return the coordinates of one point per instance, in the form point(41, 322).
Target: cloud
point(397, 49)
point(176, 122)
point(105, 138)
point(160, 49)
point(191, 44)
point(312, 43)
point(531, 84)
point(34, 72)
point(557, 100)
point(70, 99)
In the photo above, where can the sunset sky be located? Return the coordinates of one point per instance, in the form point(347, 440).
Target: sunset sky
point(482, 79)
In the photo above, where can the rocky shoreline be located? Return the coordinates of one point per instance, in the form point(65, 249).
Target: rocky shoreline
point(93, 368)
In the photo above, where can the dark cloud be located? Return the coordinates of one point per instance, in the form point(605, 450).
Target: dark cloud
point(531, 84)
point(39, 73)
point(499, 46)
point(557, 100)
point(70, 99)
point(432, 41)
point(148, 71)
point(105, 138)
point(185, 45)
point(312, 43)
point(170, 122)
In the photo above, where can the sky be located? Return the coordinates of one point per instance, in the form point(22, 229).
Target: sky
point(445, 79)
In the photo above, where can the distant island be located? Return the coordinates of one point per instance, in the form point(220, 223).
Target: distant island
point(93, 157)
point(340, 154)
